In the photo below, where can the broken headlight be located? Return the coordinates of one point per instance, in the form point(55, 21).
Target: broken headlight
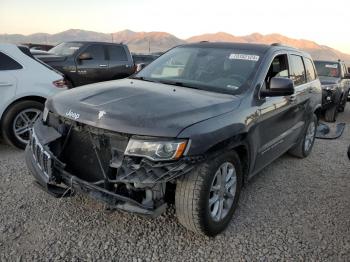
point(156, 150)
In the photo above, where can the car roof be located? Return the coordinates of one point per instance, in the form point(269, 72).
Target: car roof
point(92, 42)
point(328, 61)
point(252, 46)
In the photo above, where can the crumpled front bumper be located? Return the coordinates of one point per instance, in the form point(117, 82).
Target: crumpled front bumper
point(52, 176)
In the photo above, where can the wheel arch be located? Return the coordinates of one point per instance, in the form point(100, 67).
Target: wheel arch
point(39, 99)
point(239, 144)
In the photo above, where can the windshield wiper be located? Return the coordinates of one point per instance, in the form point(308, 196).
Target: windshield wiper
point(142, 78)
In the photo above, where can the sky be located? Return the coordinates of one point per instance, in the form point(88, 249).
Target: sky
point(325, 22)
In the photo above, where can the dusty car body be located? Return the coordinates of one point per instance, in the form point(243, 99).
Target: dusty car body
point(132, 142)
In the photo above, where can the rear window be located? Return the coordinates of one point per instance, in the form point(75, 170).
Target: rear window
point(330, 69)
point(7, 63)
point(297, 71)
point(310, 70)
point(117, 53)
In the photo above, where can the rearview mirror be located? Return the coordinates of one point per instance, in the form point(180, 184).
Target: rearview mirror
point(85, 56)
point(279, 86)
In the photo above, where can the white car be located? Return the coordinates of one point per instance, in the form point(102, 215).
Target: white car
point(25, 84)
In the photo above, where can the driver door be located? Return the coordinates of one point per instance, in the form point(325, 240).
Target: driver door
point(277, 126)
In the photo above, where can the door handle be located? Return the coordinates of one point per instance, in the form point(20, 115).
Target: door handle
point(103, 65)
point(5, 84)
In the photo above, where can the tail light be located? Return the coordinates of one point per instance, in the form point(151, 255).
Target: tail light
point(60, 83)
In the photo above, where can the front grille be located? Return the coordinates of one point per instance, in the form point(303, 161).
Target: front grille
point(42, 158)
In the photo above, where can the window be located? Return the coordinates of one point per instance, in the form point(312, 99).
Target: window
point(297, 72)
point(310, 70)
point(220, 69)
point(7, 63)
point(278, 68)
point(325, 68)
point(117, 53)
point(97, 52)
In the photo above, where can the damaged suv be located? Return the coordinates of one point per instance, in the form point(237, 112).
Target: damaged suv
point(190, 128)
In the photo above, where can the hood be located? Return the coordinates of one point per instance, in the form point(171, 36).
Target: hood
point(327, 80)
point(47, 58)
point(138, 107)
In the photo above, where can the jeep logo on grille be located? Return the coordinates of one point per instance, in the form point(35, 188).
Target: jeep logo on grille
point(73, 115)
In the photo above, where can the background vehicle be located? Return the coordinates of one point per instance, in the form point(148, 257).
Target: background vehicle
point(89, 62)
point(24, 86)
point(42, 47)
point(194, 124)
point(335, 82)
point(142, 60)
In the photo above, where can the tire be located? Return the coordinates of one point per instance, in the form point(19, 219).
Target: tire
point(12, 119)
point(194, 190)
point(342, 105)
point(306, 142)
point(331, 114)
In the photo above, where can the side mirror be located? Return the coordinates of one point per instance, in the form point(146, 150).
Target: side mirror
point(346, 76)
point(279, 86)
point(85, 56)
point(140, 66)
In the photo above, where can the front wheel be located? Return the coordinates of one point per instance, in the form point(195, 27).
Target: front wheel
point(303, 148)
point(18, 121)
point(206, 198)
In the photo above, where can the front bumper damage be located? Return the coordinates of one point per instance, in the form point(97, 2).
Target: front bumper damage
point(134, 185)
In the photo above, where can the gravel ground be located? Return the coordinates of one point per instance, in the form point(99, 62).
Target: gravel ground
point(293, 210)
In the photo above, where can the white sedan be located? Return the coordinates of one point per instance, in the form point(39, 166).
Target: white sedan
point(25, 84)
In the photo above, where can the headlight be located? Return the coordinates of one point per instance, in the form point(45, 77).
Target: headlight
point(156, 150)
point(330, 87)
point(45, 114)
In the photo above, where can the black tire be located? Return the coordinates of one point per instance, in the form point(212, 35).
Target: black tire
point(331, 113)
point(300, 150)
point(193, 192)
point(342, 105)
point(9, 118)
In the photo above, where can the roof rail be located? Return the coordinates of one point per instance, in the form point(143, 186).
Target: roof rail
point(280, 44)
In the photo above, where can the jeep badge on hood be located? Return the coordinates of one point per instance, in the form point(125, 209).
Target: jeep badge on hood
point(72, 114)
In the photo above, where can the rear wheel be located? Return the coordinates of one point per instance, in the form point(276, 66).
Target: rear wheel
point(303, 148)
point(342, 105)
point(206, 198)
point(18, 121)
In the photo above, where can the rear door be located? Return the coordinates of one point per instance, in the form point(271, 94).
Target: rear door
point(8, 81)
point(120, 64)
point(94, 69)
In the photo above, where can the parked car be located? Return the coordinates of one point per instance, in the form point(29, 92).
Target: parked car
point(90, 62)
point(335, 85)
point(42, 47)
point(25, 84)
point(142, 60)
point(195, 124)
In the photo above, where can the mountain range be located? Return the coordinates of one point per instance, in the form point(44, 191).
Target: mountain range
point(143, 42)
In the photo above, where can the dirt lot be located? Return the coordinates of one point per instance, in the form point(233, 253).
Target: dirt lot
point(293, 210)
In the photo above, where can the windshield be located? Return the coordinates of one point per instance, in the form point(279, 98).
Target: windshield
point(207, 68)
point(65, 49)
point(330, 69)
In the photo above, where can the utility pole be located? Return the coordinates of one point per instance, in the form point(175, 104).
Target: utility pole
point(149, 45)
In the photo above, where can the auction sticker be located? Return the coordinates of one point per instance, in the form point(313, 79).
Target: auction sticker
point(332, 66)
point(244, 57)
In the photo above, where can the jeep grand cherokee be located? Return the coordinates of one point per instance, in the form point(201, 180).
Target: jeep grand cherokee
point(195, 124)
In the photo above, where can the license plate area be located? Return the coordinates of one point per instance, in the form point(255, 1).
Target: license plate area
point(42, 157)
